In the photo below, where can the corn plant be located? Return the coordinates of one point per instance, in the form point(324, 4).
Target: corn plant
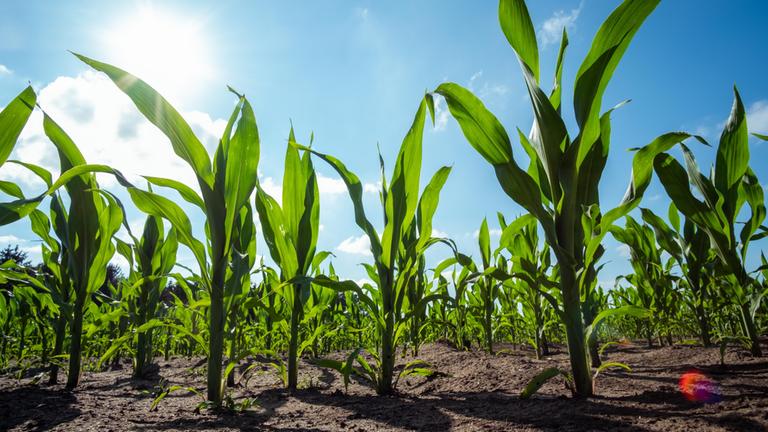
point(151, 258)
point(93, 218)
point(486, 289)
point(404, 210)
point(55, 274)
point(291, 235)
point(690, 248)
point(226, 184)
point(237, 289)
point(731, 185)
point(454, 311)
point(652, 278)
point(534, 292)
point(560, 187)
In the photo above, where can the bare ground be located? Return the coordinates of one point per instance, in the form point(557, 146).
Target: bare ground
point(478, 392)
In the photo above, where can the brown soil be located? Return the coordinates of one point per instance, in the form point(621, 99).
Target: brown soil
point(479, 392)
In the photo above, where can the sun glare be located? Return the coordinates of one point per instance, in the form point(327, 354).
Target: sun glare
point(168, 50)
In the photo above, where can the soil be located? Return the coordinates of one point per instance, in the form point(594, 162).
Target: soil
point(474, 391)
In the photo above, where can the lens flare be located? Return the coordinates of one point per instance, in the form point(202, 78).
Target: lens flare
point(697, 387)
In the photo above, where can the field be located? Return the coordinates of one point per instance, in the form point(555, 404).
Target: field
point(208, 300)
point(479, 392)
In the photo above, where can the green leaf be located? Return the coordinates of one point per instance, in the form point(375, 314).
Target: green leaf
point(160, 113)
point(428, 204)
point(157, 205)
point(733, 152)
point(12, 120)
point(242, 162)
point(609, 365)
point(403, 194)
point(642, 170)
point(481, 128)
point(635, 311)
point(557, 89)
point(484, 240)
point(517, 27)
point(277, 237)
point(608, 47)
point(185, 191)
point(39, 171)
point(539, 380)
point(355, 189)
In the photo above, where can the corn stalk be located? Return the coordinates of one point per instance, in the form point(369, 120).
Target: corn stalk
point(226, 184)
point(291, 235)
point(560, 187)
point(731, 185)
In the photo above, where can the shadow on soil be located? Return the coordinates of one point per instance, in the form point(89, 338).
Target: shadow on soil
point(36, 408)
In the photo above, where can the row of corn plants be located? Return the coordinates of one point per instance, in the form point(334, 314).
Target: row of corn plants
point(537, 287)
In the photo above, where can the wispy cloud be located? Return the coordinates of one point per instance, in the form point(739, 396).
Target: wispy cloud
point(441, 113)
point(483, 88)
point(551, 30)
point(757, 117)
point(10, 238)
point(623, 251)
point(473, 79)
point(4, 70)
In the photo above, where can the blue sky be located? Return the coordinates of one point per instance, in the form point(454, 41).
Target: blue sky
point(353, 73)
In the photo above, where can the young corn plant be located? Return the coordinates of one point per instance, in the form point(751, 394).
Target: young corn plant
point(153, 256)
point(291, 235)
point(455, 317)
point(689, 247)
point(55, 272)
point(226, 184)
point(486, 288)
point(92, 220)
point(730, 186)
point(534, 292)
point(652, 278)
point(404, 210)
point(560, 187)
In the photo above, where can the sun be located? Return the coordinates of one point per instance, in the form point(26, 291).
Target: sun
point(166, 49)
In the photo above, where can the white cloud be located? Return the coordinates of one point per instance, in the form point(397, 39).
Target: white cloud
point(4, 70)
point(623, 251)
point(437, 233)
point(10, 238)
point(493, 232)
point(363, 281)
point(486, 89)
point(137, 228)
point(757, 117)
point(331, 185)
point(356, 245)
point(107, 129)
point(363, 13)
point(274, 189)
point(552, 29)
point(372, 188)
